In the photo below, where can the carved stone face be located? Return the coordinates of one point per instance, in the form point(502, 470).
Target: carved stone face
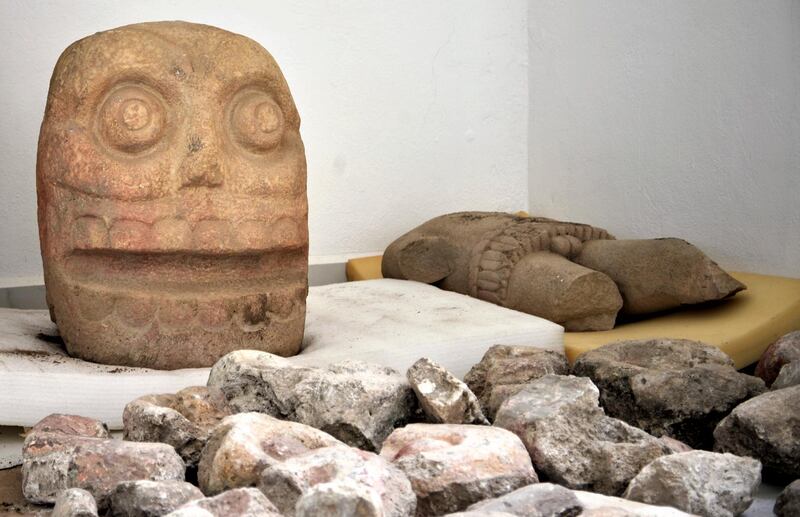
point(171, 183)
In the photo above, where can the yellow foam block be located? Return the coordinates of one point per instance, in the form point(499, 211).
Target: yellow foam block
point(742, 327)
point(364, 268)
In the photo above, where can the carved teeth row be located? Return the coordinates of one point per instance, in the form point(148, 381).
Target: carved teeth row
point(500, 251)
point(251, 313)
point(174, 234)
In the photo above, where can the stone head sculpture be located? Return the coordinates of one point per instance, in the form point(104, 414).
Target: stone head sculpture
point(574, 274)
point(171, 182)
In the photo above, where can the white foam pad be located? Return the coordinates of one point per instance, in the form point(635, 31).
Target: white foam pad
point(388, 322)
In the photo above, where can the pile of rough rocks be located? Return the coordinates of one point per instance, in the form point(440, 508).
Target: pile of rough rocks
point(657, 427)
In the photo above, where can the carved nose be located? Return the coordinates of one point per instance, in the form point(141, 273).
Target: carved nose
point(202, 166)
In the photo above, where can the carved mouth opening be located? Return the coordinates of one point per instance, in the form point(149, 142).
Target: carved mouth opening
point(187, 271)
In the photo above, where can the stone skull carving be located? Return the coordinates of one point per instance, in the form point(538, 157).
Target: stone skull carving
point(574, 274)
point(171, 182)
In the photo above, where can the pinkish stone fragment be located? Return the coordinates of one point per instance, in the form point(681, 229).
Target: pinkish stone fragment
point(453, 466)
point(55, 461)
point(783, 351)
point(336, 481)
point(239, 502)
point(243, 445)
point(183, 420)
point(72, 425)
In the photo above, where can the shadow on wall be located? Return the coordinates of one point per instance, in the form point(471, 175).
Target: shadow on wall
point(26, 297)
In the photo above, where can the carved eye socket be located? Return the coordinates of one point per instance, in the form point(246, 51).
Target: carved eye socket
point(131, 119)
point(256, 121)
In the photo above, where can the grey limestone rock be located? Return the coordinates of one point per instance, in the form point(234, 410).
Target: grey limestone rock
point(338, 481)
point(239, 502)
point(788, 376)
point(183, 420)
point(442, 396)
point(505, 369)
point(788, 502)
point(75, 502)
point(536, 500)
point(146, 498)
point(668, 387)
point(358, 403)
point(766, 427)
point(700, 482)
point(453, 466)
point(571, 440)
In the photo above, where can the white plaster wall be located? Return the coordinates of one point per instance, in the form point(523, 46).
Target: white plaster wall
point(410, 109)
point(677, 118)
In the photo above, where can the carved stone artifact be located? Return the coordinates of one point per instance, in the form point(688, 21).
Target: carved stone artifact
point(573, 274)
point(171, 183)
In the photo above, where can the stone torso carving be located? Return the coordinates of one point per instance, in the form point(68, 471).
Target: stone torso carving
point(574, 274)
point(171, 181)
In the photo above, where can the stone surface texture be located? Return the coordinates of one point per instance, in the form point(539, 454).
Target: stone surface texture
point(573, 274)
point(517, 262)
point(171, 183)
point(788, 376)
point(658, 274)
point(536, 500)
point(342, 499)
point(243, 445)
point(674, 445)
point(71, 425)
point(788, 502)
point(239, 502)
point(442, 396)
point(338, 481)
point(785, 350)
point(183, 420)
point(150, 498)
point(668, 387)
point(332, 399)
point(453, 466)
point(505, 369)
point(571, 440)
point(766, 427)
point(599, 505)
point(54, 461)
point(699, 482)
point(74, 502)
